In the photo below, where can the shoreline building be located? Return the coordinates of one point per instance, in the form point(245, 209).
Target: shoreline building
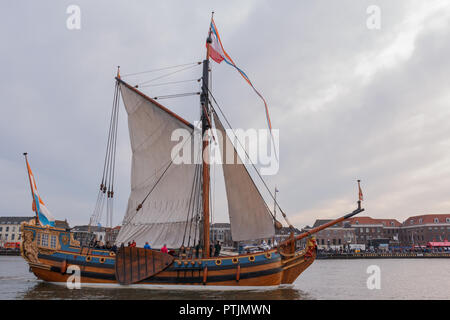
point(221, 232)
point(370, 231)
point(10, 229)
point(337, 237)
point(102, 234)
point(419, 230)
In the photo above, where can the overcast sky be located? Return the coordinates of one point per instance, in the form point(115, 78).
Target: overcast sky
point(350, 102)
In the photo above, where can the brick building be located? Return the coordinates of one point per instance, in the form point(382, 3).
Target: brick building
point(368, 229)
point(419, 230)
point(335, 237)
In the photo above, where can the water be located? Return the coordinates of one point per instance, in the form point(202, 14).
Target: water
point(324, 279)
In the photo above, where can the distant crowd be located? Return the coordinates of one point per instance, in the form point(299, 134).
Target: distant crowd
point(383, 250)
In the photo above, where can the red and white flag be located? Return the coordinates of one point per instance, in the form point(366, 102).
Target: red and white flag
point(360, 192)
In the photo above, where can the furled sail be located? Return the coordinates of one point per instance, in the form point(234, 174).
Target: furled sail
point(249, 216)
point(165, 185)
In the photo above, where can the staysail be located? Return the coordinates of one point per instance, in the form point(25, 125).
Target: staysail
point(165, 185)
point(249, 216)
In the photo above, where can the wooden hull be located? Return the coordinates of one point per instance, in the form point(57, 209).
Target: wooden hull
point(96, 266)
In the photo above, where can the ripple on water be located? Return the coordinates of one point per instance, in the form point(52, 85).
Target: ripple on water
point(325, 279)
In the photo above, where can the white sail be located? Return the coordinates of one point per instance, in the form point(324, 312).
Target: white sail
point(163, 216)
point(249, 216)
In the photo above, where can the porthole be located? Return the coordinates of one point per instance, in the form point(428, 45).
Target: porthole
point(218, 262)
point(88, 258)
point(235, 260)
point(268, 255)
point(251, 258)
point(102, 260)
point(112, 254)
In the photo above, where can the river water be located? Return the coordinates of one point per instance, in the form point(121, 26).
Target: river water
point(324, 279)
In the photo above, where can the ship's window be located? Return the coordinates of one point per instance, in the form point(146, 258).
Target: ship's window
point(12, 236)
point(420, 220)
point(45, 240)
point(7, 229)
point(38, 239)
point(446, 219)
point(1, 229)
point(436, 220)
point(53, 241)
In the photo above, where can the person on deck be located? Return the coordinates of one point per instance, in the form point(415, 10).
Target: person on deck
point(164, 249)
point(147, 246)
point(197, 250)
point(217, 248)
point(133, 244)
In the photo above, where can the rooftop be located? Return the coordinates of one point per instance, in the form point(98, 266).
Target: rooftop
point(427, 218)
point(14, 220)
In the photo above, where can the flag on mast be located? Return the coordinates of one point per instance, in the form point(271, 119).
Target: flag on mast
point(44, 215)
point(218, 54)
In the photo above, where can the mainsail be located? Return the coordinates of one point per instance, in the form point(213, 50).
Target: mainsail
point(249, 216)
point(166, 186)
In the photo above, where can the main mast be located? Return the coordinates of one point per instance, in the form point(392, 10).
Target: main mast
point(206, 124)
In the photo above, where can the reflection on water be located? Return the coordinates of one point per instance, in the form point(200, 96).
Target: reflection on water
point(43, 290)
point(324, 279)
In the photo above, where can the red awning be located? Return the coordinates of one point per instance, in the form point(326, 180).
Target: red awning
point(439, 244)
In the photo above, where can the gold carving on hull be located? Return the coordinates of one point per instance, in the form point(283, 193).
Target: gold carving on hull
point(29, 247)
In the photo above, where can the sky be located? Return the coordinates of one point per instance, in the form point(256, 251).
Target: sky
point(350, 101)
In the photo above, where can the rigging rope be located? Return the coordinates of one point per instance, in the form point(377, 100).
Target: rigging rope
point(177, 95)
point(160, 69)
point(106, 192)
point(168, 74)
point(172, 82)
point(253, 165)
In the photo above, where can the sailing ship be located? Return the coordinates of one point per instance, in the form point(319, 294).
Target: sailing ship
point(169, 205)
